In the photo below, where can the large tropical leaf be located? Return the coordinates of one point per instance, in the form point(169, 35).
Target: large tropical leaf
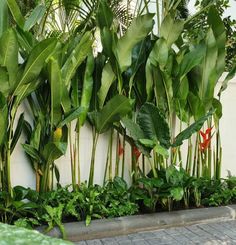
point(35, 62)
point(138, 30)
point(108, 77)
point(153, 124)
point(87, 88)
point(4, 18)
point(171, 29)
point(9, 54)
point(104, 15)
point(113, 111)
point(16, 13)
point(207, 82)
point(218, 27)
point(77, 56)
point(35, 17)
point(193, 128)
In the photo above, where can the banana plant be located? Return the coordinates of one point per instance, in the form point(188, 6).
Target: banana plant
point(53, 98)
point(17, 82)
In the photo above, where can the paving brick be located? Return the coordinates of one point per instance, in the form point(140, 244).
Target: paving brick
point(222, 233)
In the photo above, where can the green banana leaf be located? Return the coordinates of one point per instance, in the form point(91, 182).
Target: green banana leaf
point(171, 29)
point(108, 77)
point(218, 27)
point(3, 119)
point(9, 54)
point(189, 131)
point(115, 109)
point(4, 82)
point(138, 30)
point(104, 15)
point(154, 125)
point(159, 53)
point(4, 17)
point(54, 150)
point(35, 63)
point(35, 17)
point(77, 56)
point(87, 88)
point(16, 13)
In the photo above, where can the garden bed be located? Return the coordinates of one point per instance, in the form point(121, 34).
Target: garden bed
point(77, 231)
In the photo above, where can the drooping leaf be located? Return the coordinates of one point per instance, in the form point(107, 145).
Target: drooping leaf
point(229, 76)
point(35, 17)
point(138, 30)
point(193, 128)
point(153, 124)
point(115, 109)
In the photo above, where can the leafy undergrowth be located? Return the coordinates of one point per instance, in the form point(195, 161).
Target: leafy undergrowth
point(11, 235)
point(173, 189)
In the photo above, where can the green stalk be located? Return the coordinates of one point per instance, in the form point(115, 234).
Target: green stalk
point(117, 155)
point(72, 160)
point(158, 18)
point(92, 165)
point(106, 167)
point(110, 156)
point(78, 156)
point(195, 157)
point(153, 168)
point(123, 157)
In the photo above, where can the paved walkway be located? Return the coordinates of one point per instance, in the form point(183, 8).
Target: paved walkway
point(211, 233)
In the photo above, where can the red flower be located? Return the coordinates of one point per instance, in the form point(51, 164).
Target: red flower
point(206, 139)
point(120, 149)
point(136, 152)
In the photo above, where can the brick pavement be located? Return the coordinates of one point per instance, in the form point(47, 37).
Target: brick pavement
point(222, 233)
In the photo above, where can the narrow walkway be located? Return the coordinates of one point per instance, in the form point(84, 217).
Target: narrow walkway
point(211, 233)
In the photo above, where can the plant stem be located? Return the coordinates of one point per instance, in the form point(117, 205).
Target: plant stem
point(92, 165)
point(110, 156)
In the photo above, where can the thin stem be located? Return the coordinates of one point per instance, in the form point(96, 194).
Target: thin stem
point(91, 174)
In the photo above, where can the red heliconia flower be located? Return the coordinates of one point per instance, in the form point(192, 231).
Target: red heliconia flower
point(136, 152)
point(206, 139)
point(120, 149)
